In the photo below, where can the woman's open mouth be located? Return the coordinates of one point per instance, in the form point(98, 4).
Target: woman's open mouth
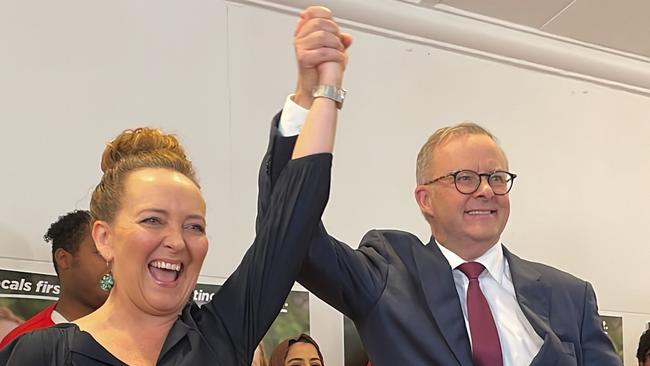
point(165, 273)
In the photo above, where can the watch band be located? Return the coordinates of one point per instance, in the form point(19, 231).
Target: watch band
point(330, 92)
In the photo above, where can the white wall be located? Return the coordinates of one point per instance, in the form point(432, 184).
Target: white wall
point(74, 73)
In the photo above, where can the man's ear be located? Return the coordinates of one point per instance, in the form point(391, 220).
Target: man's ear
point(423, 196)
point(101, 233)
point(63, 259)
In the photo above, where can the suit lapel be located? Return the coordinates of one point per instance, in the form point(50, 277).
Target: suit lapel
point(439, 290)
point(533, 293)
point(534, 296)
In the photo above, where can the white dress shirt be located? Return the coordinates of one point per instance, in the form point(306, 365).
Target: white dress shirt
point(519, 341)
point(292, 118)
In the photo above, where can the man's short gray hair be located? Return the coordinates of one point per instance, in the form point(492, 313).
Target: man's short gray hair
point(425, 156)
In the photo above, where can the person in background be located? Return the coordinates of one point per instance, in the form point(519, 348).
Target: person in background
point(79, 268)
point(643, 352)
point(8, 320)
point(300, 351)
point(259, 357)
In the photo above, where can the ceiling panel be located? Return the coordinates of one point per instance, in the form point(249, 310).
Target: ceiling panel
point(532, 13)
point(621, 24)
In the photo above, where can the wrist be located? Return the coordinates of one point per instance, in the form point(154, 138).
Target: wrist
point(334, 79)
point(303, 98)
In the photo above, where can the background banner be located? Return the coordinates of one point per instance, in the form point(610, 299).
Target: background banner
point(23, 294)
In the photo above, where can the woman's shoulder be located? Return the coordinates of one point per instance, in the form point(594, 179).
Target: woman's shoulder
point(45, 346)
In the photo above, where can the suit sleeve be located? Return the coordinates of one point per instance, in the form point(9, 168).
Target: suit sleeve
point(253, 295)
point(349, 280)
point(597, 348)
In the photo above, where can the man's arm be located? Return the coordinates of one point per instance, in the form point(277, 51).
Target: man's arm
point(597, 348)
point(348, 280)
point(251, 298)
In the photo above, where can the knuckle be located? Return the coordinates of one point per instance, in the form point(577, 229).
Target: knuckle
point(323, 52)
point(321, 36)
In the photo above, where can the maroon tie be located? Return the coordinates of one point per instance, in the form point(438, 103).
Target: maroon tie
point(486, 349)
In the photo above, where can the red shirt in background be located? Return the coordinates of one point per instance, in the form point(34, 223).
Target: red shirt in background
point(40, 320)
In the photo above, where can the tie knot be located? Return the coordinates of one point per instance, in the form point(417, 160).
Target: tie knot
point(472, 269)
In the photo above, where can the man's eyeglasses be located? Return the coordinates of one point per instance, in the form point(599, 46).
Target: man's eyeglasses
point(468, 181)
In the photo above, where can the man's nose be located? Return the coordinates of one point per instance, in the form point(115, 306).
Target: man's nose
point(484, 188)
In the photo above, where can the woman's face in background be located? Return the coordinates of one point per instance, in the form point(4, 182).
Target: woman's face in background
point(302, 354)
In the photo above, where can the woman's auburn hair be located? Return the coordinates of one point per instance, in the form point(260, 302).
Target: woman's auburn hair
point(132, 150)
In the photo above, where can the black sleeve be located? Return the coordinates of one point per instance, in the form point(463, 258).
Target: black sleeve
point(349, 280)
point(39, 347)
point(253, 295)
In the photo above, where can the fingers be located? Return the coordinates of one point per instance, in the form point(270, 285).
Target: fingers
point(317, 39)
point(316, 12)
point(346, 39)
point(317, 24)
point(312, 58)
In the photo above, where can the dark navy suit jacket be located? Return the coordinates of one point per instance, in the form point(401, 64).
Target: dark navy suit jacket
point(402, 298)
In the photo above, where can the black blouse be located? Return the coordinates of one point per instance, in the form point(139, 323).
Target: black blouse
point(226, 330)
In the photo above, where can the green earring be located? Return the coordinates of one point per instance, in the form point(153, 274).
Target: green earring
point(107, 282)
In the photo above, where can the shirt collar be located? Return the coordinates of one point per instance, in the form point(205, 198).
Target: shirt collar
point(58, 318)
point(493, 260)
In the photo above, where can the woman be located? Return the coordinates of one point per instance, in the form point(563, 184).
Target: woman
point(150, 228)
point(299, 351)
point(259, 357)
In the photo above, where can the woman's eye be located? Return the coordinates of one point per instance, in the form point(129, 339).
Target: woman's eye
point(151, 220)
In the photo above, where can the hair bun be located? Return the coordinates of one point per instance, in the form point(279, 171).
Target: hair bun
point(140, 141)
point(132, 150)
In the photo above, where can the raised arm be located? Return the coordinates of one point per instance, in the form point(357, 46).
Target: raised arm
point(253, 295)
point(322, 59)
point(349, 280)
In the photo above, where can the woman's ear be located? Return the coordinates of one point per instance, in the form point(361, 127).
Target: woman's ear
point(101, 233)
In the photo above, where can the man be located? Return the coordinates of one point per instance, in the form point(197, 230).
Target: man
point(79, 268)
point(643, 352)
point(463, 298)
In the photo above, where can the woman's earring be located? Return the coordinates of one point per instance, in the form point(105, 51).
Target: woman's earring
point(107, 282)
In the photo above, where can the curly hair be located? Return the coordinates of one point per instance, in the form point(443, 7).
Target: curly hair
point(67, 232)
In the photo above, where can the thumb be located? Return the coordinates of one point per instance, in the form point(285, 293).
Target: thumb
point(346, 39)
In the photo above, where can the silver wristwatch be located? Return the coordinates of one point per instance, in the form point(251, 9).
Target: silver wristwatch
point(330, 92)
